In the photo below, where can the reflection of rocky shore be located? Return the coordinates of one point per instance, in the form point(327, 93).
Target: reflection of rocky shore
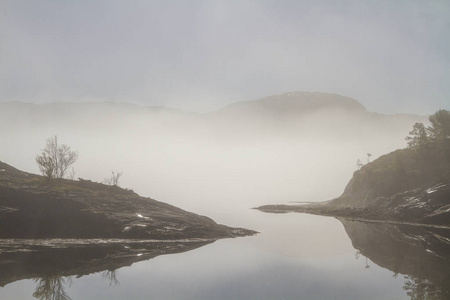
point(421, 253)
point(50, 259)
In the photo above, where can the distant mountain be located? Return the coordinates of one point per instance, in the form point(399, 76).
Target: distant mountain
point(308, 113)
point(271, 110)
point(91, 113)
point(295, 103)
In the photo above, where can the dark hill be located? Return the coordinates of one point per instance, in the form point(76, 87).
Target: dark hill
point(312, 114)
point(32, 207)
point(295, 103)
point(409, 185)
point(306, 114)
point(397, 172)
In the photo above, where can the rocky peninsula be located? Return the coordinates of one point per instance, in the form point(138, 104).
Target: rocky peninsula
point(35, 207)
point(410, 185)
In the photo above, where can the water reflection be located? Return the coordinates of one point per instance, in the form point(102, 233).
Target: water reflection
point(49, 261)
point(423, 289)
point(240, 269)
point(52, 288)
point(111, 276)
point(422, 254)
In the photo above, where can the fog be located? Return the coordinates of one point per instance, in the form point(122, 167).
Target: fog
point(200, 55)
point(219, 164)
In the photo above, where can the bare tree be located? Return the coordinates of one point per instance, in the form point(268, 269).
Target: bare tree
point(55, 159)
point(368, 157)
point(359, 164)
point(114, 179)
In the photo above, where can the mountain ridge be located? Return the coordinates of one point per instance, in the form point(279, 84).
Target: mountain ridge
point(298, 101)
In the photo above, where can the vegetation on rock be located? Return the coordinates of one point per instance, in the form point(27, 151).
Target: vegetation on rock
point(407, 185)
point(424, 163)
point(55, 159)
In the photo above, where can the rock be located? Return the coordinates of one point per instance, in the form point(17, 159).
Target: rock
point(396, 187)
point(33, 207)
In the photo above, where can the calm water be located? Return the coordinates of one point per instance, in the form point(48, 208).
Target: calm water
point(296, 256)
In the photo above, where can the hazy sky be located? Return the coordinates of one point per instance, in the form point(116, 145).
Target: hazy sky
point(392, 56)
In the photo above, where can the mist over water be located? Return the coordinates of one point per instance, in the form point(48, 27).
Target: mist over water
point(221, 165)
point(218, 164)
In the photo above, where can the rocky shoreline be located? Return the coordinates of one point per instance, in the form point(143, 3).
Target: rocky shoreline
point(33, 207)
point(429, 207)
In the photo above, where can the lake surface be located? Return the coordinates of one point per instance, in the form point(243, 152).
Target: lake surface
point(296, 256)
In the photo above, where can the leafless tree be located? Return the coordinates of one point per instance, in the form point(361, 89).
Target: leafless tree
point(368, 157)
point(55, 159)
point(114, 179)
point(359, 164)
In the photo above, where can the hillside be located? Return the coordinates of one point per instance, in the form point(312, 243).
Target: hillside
point(32, 207)
point(291, 111)
point(409, 185)
point(394, 188)
point(294, 103)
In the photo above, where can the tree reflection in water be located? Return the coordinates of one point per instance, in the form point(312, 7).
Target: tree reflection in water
point(52, 262)
point(52, 288)
point(111, 275)
point(423, 289)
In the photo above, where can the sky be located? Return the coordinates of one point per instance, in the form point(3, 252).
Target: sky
point(392, 56)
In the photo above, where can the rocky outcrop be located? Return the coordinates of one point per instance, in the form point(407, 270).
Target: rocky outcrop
point(397, 187)
point(294, 103)
point(403, 186)
point(429, 206)
point(397, 172)
point(33, 207)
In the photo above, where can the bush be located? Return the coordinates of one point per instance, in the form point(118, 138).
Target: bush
point(55, 159)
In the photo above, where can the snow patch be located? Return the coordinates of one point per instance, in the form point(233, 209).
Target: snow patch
point(434, 188)
point(141, 216)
